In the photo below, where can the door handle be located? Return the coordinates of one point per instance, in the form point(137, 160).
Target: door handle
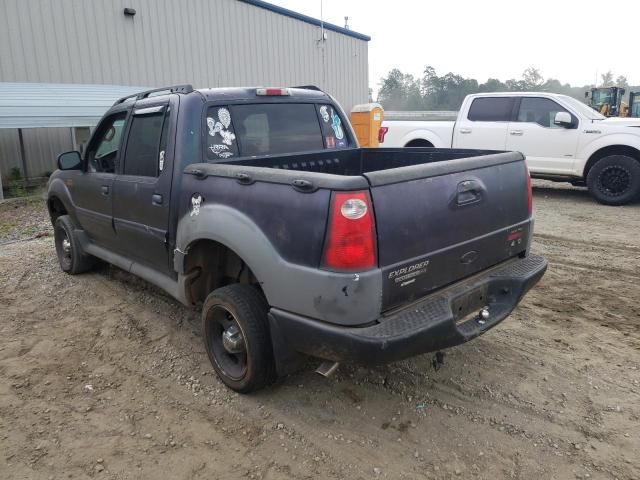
point(516, 133)
point(105, 189)
point(156, 199)
point(468, 192)
point(465, 130)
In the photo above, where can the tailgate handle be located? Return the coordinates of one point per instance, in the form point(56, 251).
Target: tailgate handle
point(469, 192)
point(244, 179)
point(304, 186)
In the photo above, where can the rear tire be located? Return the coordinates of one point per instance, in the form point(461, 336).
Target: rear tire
point(72, 258)
point(615, 180)
point(237, 339)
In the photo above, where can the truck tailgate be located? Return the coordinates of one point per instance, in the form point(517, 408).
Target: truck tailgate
point(438, 223)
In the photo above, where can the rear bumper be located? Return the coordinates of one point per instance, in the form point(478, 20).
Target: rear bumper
point(438, 321)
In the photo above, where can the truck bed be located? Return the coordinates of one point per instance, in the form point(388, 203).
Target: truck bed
point(441, 215)
point(359, 161)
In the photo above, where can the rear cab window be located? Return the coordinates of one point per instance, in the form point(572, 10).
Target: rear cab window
point(272, 128)
point(491, 109)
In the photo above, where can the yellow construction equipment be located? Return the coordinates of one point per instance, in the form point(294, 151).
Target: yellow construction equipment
point(608, 101)
point(634, 104)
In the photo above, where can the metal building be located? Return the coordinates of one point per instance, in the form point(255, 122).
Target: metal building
point(150, 43)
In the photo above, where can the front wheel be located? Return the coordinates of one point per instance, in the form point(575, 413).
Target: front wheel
point(615, 180)
point(72, 258)
point(236, 336)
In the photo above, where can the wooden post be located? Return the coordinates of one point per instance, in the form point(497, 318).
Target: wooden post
point(23, 158)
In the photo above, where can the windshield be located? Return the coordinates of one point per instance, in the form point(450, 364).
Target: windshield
point(600, 97)
point(582, 108)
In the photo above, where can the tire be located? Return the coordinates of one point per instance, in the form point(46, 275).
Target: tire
point(615, 180)
point(419, 143)
point(245, 363)
point(72, 258)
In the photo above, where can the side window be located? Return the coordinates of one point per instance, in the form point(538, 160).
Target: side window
point(144, 155)
point(491, 109)
point(539, 110)
point(221, 138)
point(103, 150)
point(332, 128)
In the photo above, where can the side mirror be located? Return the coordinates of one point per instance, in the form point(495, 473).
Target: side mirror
point(563, 119)
point(70, 160)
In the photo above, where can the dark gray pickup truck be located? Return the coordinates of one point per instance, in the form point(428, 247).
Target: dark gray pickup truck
point(257, 206)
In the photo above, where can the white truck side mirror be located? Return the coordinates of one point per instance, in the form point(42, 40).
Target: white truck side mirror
point(563, 119)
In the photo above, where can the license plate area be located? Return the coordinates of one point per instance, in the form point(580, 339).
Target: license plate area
point(466, 307)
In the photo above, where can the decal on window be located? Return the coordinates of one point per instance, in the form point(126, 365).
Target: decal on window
point(220, 151)
point(330, 141)
point(221, 141)
point(221, 126)
point(333, 131)
point(336, 124)
point(324, 113)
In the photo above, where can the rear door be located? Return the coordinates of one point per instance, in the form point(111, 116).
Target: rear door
point(485, 125)
point(549, 148)
point(451, 220)
point(141, 196)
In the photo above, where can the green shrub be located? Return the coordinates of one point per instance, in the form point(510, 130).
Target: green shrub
point(16, 184)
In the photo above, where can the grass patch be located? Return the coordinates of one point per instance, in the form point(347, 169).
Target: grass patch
point(5, 228)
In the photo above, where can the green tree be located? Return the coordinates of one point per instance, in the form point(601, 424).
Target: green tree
point(446, 92)
point(399, 91)
point(532, 79)
point(514, 85)
point(606, 79)
point(621, 81)
point(492, 85)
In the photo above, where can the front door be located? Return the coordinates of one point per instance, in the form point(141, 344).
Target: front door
point(143, 186)
point(549, 148)
point(485, 127)
point(92, 190)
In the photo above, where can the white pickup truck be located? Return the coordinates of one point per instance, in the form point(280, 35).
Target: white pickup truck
point(562, 138)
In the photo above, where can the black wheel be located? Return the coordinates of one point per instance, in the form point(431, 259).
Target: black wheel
point(70, 255)
point(615, 180)
point(419, 142)
point(236, 337)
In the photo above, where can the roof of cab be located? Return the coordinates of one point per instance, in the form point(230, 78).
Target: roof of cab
point(240, 93)
point(222, 93)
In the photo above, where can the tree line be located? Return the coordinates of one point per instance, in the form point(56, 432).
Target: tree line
point(402, 91)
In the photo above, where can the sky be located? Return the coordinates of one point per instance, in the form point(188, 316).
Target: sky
point(566, 39)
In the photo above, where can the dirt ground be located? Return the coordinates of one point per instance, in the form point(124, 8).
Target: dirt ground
point(103, 376)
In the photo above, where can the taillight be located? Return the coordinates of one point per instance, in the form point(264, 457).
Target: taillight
point(529, 191)
point(272, 92)
point(381, 133)
point(351, 234)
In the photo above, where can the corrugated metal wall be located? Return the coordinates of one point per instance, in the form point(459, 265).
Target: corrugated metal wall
point(41, 148)
point(208, 43)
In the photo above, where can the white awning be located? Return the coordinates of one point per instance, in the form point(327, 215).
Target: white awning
point(36, 105)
